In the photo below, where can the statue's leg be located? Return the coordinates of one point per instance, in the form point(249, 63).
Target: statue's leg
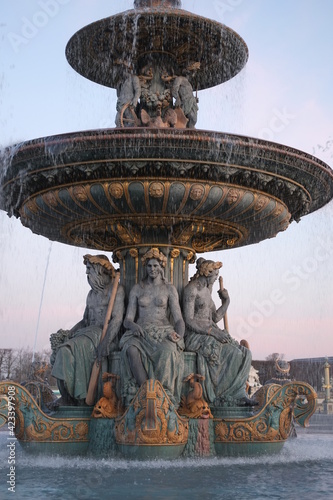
point(192, 120)
point(137, 368)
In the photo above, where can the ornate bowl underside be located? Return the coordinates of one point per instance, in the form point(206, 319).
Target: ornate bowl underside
point(172, 37)
point(118, 188)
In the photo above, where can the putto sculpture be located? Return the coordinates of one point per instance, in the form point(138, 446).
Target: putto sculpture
point(155, 191)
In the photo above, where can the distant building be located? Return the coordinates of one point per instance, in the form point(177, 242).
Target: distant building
point(310, 370)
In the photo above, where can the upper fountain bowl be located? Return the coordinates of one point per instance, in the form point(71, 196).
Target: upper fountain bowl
point(176, 38)
point(138, 4)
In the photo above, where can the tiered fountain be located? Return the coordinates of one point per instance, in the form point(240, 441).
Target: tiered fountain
point(155, 180)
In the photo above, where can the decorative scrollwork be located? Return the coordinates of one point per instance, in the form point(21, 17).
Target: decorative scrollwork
point(273, 421)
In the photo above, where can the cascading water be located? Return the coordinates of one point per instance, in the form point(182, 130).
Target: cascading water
point(183, 189)
point(41, 302)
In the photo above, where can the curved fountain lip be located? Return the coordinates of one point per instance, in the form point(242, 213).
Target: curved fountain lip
point(112, 188)
point(100, 52)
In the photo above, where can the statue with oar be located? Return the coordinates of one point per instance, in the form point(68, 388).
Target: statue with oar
point(75, 365)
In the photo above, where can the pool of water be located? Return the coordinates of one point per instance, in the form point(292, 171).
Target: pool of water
point(304, 469)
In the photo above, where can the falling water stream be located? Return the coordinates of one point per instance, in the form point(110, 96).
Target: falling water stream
point(41, 301)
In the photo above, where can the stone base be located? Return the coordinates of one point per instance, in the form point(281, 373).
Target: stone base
point(102, 438)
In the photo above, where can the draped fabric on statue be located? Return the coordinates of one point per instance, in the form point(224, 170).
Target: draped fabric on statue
point(162, 359)
point(74, 361)
point(225, 366)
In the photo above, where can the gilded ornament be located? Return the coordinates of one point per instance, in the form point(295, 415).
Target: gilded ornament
point(109, 406)
point(175, 253)
point(116, 190)
point(278, 404)
point(197, 192)
point(156, 190)
point(154, 253)
point(50, 198)
point(80, 193)
point(133, 252)
point(151, 419)
point(233, 196)
point(193, 405)
point(260, 203)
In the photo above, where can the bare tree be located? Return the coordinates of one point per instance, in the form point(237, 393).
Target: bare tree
point(7, 362)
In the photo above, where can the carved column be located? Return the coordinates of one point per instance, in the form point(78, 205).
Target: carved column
point(328, 403)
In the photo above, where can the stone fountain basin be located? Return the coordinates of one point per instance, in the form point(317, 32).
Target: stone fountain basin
point(173, 37)
point(115, 188)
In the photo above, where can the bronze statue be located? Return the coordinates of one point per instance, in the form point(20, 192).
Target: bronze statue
point(152, 347)
point(128, 94)
point(73, 359)
point(182, 92)
point(221, 360)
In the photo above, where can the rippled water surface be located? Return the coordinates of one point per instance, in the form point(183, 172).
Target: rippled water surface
point(304, 469)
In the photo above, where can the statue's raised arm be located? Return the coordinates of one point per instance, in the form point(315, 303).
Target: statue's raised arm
point(221, 360)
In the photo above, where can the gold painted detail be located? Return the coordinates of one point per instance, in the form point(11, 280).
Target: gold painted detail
point(156, 190)
point(32, 424)
point(151, 419)
point(50, 198)
point(106, 215)
point(174, 254)
point(273, 421)
point(128, 234)
point(196, 192)
point(109, 406)
point(234, 195)
point(193, 405)
point(116, 190)
point(80, 193)
point(261, 202)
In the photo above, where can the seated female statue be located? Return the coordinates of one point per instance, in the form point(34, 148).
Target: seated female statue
point(73, 359)
point(152, 347)
point(224, 363)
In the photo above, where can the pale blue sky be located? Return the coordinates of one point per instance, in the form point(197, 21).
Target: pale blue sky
point(281, 290)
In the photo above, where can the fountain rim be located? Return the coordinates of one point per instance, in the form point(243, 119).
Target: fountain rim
point(159, 133)
point(17, 157)
point(296, 180)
